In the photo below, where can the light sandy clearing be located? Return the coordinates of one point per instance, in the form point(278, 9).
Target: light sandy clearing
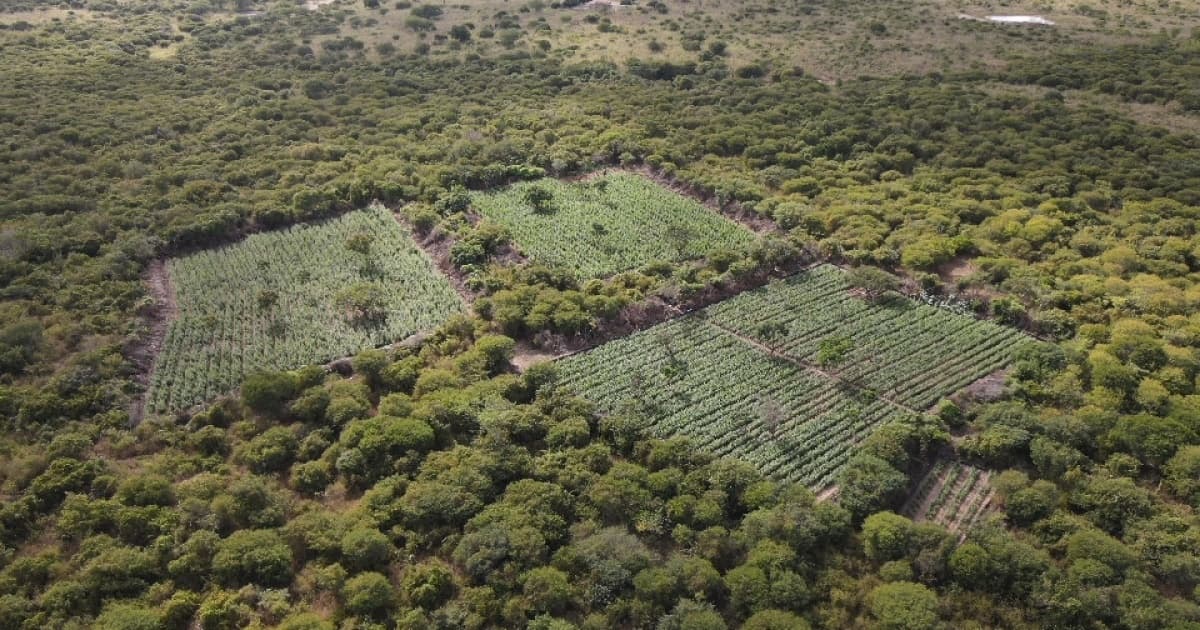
point(1020, 19)
point(1009, 19)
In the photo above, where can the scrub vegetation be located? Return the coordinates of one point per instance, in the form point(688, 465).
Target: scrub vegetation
point(981, 183)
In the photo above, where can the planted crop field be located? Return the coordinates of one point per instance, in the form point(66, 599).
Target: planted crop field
point(608, 224)
point(304, 295)
point(756, 392)
point(909, 352)
point(694, 379)
point(952, 494)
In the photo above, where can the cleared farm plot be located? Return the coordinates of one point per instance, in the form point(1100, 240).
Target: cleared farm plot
point(694, 379)
point(755, 392)
point(608, 224)
point(912, 353)
point(951, 494)
point(281, 300)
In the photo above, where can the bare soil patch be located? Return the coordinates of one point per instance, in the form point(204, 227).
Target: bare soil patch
point(526, 355)
point(338, 498)
point(154, 321)
point(603, 3)
point(957, 269)
point(986, 389)
point(437, 246)
point(1009, 19)
point(828, 494)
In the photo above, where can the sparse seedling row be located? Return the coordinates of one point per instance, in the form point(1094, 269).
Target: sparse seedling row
point(962, 495)
point(924, 488)
point(948, 484)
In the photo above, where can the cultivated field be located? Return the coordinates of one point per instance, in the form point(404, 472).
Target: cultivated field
point(911, 353)
point(608, 224)
point(748, 378)
point(280, 300)
point(951, 494)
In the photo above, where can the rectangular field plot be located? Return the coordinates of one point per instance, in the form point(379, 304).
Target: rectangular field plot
point(951, 494)
point(280, 300)
point(718, 377)
point(697, 380)
point(912, 353)
point(609, 224)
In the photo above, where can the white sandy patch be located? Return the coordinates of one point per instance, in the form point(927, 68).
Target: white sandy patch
point(1020, 19)
point(1008, 19)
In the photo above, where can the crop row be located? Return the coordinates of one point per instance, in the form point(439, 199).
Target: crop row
point(708, 376)
point(949, 483)
point(963, 492)
point(918, 496)
point(969, 513)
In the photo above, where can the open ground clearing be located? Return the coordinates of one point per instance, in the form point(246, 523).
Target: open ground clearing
point(827, 40)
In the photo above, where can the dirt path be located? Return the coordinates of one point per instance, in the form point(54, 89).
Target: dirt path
point(810, 367)
point(437, 246)
point(144, 353)
point(828, 494)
